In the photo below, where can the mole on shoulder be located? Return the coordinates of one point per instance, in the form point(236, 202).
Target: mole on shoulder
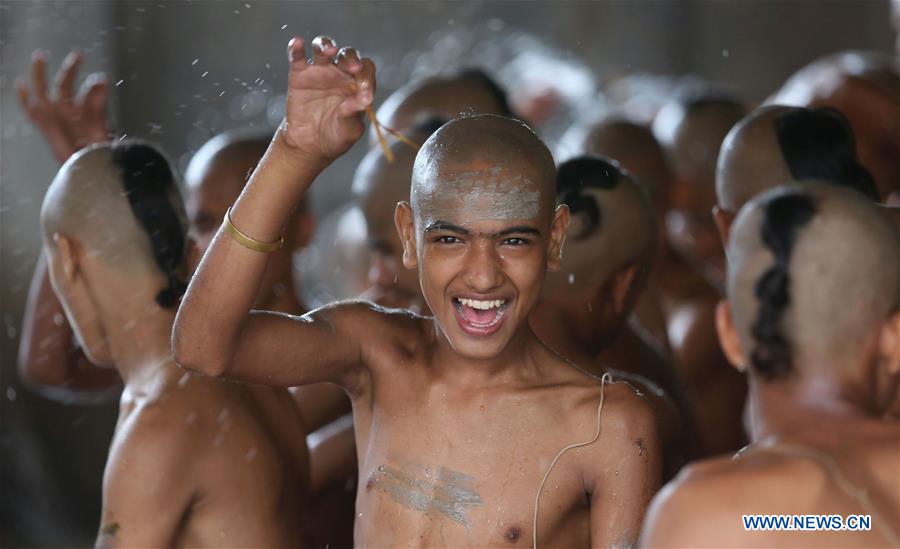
point(513, 534)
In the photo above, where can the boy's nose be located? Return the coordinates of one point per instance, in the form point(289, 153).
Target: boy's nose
point(483, 270)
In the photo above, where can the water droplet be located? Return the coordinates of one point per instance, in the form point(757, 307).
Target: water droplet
point(571, 278)
point(120, 82)
point(725, 53)
point(11, 394)
point(195, 61)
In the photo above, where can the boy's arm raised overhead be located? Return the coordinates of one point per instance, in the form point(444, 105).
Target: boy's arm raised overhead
point(215, 332)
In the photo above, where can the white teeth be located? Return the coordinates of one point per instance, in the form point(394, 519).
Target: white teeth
point(482, 305)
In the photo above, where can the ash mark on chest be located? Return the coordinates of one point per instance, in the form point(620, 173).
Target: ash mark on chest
point(439, 491)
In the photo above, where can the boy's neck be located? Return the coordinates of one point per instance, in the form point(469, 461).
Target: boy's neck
point(515, 359)
point(781, 409)
point(140, 340)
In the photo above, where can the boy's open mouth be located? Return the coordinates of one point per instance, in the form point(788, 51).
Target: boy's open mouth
point(480, 317)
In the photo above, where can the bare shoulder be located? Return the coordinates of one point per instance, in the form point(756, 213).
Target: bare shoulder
point(625, 409)
point(627, 421)
point(153, 442)
point(704, 504)
point(695, 501)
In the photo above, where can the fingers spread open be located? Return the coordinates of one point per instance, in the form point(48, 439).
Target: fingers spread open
point(93, 98)
point(65, 78)
point(39, 74)
point(22, 94)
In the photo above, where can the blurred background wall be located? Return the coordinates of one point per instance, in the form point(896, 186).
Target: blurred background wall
point(181, 72)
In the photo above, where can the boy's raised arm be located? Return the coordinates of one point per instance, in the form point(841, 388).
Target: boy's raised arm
point(215, 332)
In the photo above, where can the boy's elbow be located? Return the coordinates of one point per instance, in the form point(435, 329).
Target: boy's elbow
point(196, 359)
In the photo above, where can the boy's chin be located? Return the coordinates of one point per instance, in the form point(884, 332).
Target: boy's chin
point(473, 348)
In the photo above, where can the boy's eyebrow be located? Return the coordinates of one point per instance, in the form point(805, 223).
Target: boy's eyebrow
point(450, 227)
point(445, 226)
point(521, 229)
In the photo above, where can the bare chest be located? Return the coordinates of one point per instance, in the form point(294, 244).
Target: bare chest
point(466, 476)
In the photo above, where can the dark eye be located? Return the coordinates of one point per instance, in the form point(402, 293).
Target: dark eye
point(446, 239)
point(515, 241)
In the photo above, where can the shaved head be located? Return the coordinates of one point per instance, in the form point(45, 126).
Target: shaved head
point(813, 274)
point(691, 131)
point(775, 144)
point(378, 184)
point(613, 225)
point(235, 153)
point(465, 93)
point(121, 204)
point(631, 145)
point(485, 167)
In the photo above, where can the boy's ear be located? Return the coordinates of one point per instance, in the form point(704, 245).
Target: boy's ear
point(68, 255)
point(728, 336)
point(558, 230)
point(403, 220)
point(622, 288)
point(723, 219)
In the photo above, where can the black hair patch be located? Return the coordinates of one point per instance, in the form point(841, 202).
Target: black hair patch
point(783, 218)
point(148, 182)
point(585, 172)
point(819, 144)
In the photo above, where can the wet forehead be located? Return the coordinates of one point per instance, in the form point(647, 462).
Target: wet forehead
point(476, 192)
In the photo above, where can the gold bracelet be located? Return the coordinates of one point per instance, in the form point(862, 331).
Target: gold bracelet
point(248, 242)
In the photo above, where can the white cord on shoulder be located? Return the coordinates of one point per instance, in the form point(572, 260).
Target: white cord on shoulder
point(607, 378)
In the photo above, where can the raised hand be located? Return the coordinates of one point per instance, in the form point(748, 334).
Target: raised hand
point(67, 122)
point(327, 96)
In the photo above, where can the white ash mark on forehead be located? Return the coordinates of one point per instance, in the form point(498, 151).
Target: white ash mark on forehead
point(493, 193)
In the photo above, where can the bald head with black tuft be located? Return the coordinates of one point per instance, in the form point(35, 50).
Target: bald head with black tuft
point(613, 226)
point(775, 144)
point(813, 274)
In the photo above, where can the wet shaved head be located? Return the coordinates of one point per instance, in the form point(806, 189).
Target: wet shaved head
point(613, 225)
point(630, 144)
point(121, 204)
point(483, 167)
point(776, 144)
point(467, 92)
point(813, 273)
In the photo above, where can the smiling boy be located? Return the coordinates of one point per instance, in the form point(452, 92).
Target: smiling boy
point(458, 417)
